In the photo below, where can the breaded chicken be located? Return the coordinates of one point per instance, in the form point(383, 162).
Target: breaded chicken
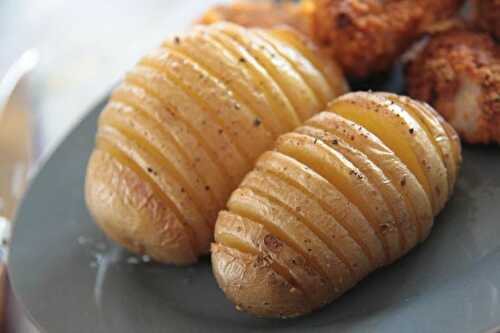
point(365, 36)
point(458, 72)
point(368, 36)
point(487, 16)
point(263, 14)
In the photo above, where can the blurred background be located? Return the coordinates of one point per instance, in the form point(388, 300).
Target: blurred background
point(84, 48)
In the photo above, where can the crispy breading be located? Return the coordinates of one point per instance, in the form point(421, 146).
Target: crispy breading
point(368, 36)
point(487, 16)
point(264, 14)
point(458, 72)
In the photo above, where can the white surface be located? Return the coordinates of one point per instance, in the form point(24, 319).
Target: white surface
point(85, 47)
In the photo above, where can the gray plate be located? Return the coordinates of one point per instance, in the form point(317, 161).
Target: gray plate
point(71, 279)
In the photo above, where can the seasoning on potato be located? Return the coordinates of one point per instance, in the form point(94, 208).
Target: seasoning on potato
point(351, 190)
point(188, 122)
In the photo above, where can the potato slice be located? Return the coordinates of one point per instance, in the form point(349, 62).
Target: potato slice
point(310, 74)
point(165, 237)
point(330, 70)
point(211, 137)
point(403, 134)
point(150, 133)
point(401, 177)
point(287, 227)
point(238, 122)
point(455, 142)
point(327, 195)
point(247, 236)
point(318, 220)
point(204, 166)
point(298, 92)
point(393, 198)
point(350, 181)
point(167, 184)
point(228, 68)
point(434, 130)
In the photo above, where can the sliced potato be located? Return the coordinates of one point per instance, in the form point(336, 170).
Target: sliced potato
point(330, 69)
point(313, 77)
point(403, 134)
point(120, 211)
point(401, 177)
point(247, 236)
point(349, 180)
point(375, 176)
point(210, 136)
point(343, 199)
point(298, 92)
point(189, 121)
point(328, 196)
point(237, 121)
point(312, 215)
point(287, 227)
point(231, 69)
point(434, 130)
point(167, 183)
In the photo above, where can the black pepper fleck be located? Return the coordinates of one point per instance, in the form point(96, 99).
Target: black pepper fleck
point(257, 122)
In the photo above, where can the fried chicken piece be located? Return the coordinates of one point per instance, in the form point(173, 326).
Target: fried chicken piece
point(368, 36)
point(365, 36)
point(458, 72)
point(487, 16)
point(263, 14)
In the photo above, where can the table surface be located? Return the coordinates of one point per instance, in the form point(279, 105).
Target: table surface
point(85, 47)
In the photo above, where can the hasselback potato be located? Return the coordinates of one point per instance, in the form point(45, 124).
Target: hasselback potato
point(351, 190)
point(188, 122)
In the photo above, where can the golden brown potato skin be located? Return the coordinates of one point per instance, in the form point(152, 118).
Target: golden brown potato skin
point(487, 16)
point(458, 73)
point(187, 123)
point(365, 37)
point(349, 191)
